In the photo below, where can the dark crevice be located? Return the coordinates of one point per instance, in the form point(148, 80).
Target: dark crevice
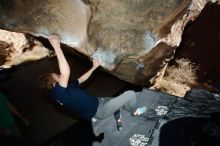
point(200, 44)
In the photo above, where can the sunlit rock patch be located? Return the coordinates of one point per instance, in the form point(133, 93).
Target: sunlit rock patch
point(16, 48)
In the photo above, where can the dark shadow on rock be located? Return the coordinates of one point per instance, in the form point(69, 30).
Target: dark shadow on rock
point(191, 131)
point(6, 140)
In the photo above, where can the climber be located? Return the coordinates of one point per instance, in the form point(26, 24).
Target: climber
point(69, 94)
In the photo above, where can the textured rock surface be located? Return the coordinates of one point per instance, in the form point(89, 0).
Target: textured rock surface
point(134, 39)
point(16, 48)
point(42, 17)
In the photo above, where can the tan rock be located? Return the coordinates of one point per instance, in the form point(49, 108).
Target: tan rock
point(134, 39)
point(16, 48)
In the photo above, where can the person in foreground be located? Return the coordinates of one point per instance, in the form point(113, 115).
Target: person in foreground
point(7, 121)
point(69, 94)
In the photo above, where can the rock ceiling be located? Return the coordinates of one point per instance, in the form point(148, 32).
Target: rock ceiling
point(134, 39)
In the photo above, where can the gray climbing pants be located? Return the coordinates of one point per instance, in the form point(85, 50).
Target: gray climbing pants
point(108, 105)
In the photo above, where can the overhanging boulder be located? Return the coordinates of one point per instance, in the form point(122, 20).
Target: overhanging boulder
point(134, 39)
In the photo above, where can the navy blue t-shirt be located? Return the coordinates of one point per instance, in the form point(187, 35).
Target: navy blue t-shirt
point(76, 99)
